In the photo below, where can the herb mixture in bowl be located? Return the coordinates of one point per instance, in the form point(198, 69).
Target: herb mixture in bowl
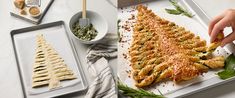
point(86, 33)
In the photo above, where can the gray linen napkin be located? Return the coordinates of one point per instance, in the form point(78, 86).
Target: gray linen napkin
point(103, 85)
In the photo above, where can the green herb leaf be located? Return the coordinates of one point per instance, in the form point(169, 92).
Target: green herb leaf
point(178, 10)
point(172, 11)
point(119, 26)
point(230, 62)
point(226, 74)
point(177, 6)
point(229, 68)
point(188, 14)
point(136, 93)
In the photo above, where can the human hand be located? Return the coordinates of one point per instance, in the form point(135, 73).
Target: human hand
point(217, 25)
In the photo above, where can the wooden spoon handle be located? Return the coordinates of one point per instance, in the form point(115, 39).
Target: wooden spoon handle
point(84, 9)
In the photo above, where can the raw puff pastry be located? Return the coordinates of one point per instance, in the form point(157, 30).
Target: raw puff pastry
point(162, 50)
point(49, 68)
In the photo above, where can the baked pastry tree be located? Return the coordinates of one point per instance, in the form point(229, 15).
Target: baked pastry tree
point(161, 50)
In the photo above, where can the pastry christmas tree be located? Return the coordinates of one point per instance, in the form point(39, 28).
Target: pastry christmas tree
point(161, 50)
point(49, 68)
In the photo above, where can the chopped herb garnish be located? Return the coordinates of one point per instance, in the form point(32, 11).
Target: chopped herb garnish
point(86, 33)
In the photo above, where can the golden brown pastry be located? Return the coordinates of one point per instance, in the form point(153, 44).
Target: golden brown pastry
point(162, 50)
point(23, 12)
point(19, 4)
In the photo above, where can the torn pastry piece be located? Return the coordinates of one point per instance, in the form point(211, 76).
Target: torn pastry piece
point(216, 43)
point(19, 4)
point(216, 62)
point(161, 50)
point(49, 68)
point(23, 12)
point(213, 46)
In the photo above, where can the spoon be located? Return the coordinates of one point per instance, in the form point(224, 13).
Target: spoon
point(84, 21)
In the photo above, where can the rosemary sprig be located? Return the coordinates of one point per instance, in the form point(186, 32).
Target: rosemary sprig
point(178, 10)
point(172, 11)
point(136, 93)
point(119, 26)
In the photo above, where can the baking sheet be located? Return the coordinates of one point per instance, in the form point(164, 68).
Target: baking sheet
point(24, 43)
point(44, 6)
point(218, 6)
point(126, 3)
point(169, 89)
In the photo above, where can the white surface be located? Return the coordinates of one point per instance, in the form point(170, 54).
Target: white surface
point(169, 88)
point(60, 10)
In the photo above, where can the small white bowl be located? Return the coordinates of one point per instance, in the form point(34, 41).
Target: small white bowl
point(37, 15)
point(98, 22)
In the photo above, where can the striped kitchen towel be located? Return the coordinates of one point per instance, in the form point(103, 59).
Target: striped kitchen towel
point(103, 85)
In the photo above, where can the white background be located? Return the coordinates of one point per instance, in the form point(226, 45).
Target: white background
point(62, 10)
